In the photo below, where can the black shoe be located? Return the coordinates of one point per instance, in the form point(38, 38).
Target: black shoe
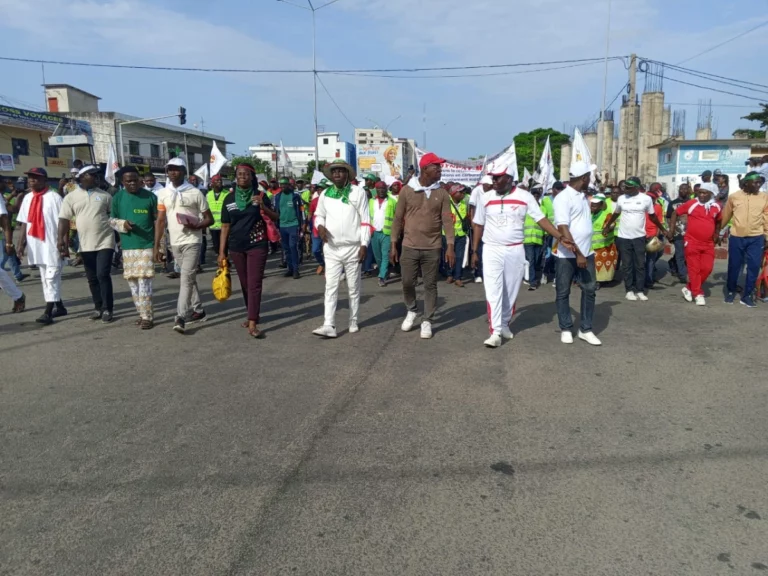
point(22, 278)
point(199, 270)
point(95, 315)
point(179, 326)
point(59, 311)
point(532, 288)
point(174, 276)
point(197, 316)
point(107, 317)
point(19, 305)
point(296, 275)
point(283, 265)
point(45, 319)
point(287, 274)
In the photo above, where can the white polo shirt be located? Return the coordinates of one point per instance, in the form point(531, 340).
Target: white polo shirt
point(633, 210)
point(572, 210)
point(186, 200)
point(504, 216)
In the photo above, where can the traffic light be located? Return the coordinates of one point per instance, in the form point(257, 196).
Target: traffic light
point(182, 115)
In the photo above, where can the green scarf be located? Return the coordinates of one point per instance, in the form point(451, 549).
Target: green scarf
point(243, 197)
point(340, 194)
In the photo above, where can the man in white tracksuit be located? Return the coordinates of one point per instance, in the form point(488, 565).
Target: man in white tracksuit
point(342, 221)
point(499, 221)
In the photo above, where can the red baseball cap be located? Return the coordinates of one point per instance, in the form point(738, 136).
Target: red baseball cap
point(37, 172)
point(430, 158)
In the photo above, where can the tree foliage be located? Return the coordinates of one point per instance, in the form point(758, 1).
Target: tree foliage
point(751, 134)
point(260, 166)
point(311, 169)
point(525, 152)
point(761, 116)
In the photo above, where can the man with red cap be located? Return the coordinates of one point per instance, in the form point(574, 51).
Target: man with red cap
point(423, 211)
point(499, 222)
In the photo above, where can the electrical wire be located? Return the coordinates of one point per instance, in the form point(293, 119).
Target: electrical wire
point(711, 79)
point(707, 87)
point(715, 105)
point(334, 102)
point(715, 76)
point(716, 46)
point(620, 92)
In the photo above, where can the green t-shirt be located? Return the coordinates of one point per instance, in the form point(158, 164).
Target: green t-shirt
point(141, 210)
point(9, 203)
point(287, 211)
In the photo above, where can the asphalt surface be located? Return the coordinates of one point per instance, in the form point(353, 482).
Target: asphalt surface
point(143, 453)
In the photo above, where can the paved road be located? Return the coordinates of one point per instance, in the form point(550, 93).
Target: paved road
point(143, 453)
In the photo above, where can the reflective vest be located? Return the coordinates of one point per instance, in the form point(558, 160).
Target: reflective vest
point(216, 206)
point(598, 240)
point(458, 219)
point(389, 213)
point(532, 232)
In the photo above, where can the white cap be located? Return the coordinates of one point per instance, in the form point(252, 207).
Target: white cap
point(580, 168)
point(176, 162)
point(486, 180)
point(502, 166)
point(74, 171)
point(86, 169)
point(711, 186)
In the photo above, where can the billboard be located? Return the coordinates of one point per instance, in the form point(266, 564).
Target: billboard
point(46, 122)
point(381, 159)
point(695, 159)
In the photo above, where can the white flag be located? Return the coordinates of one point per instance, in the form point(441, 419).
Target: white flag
point(511, 158)
point(317, 177)
point(112, 166)
point(546, 170)
point(218, 161)
point(202, 173)
point(580, 153)
point(526, 177)
point(287, 165)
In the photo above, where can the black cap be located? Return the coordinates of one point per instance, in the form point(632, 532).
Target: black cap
point(558, 186)
point(706, 174)
point(717, 172)
point(37, 172)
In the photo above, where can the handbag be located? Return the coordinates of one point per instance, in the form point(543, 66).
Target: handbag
point(273, 232)
point(222, 283)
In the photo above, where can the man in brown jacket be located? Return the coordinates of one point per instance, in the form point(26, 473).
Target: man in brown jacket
point(423, 212)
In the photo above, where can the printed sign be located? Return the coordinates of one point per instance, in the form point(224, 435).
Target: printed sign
point(384, 160)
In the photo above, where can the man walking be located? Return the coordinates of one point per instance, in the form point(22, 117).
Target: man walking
point(39, 218)
point(633, 208)
point(677, 263)
point(290, 220)
point(215, 198)
point(382, 213)
point(423, 212)
point(179, 205)
point(747, 213)
point(134, 211)
point(499, 223)
point(90, 207)
point(6, 284)
point(575, 257)
point(534, 239)
point(483, 187)
point(342, 221)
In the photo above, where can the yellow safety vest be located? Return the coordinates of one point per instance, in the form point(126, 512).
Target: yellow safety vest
point(389, 213)
point(216, 206)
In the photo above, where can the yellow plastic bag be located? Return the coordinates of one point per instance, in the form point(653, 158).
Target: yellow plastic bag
point(222, 284)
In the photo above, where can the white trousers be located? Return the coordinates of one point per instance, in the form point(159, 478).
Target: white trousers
point(338, 260)
point(503, 271)
point(50, 276)
point(8, 286)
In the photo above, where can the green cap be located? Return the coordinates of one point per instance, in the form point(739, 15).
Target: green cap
point(633, 182)
point(284, 181)
point(752, 176)
point(324, 183)
point(372, 177)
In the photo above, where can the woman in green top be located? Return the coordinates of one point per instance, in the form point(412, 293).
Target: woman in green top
point(134, 212)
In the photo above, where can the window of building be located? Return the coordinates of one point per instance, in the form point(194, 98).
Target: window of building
point(154, 150)
point(133, 148)
point(20, 147)
point(50, 151)
point(325, 140)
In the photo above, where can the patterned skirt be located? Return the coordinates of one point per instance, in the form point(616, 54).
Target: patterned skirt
point(605, 263)
point(138, 263)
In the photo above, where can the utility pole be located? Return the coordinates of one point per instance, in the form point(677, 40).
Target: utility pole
point(601, 118)
point(186, 152)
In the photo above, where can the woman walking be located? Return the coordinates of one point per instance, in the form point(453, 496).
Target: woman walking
point(243, 227)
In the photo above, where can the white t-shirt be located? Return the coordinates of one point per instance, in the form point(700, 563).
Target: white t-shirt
point(504, 216)
point(477, 193)
point(379, 213)
point(187, 200)
point(3, 209)
point(572, 210)
point(633, 210)
point(43, 252)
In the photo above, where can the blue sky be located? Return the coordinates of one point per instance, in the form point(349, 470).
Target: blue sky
point(466, 116)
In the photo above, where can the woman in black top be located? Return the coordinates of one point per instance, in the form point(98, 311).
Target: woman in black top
point(243, 226)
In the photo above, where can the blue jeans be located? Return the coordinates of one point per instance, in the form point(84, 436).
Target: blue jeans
point(459, 245)
point(534, 253)
point(369, 259)
point(566, 271)
point(317, 251)
point(13, 259)
point(289, 237)
point(748, 249)
point(682, 268)
point(650, 267)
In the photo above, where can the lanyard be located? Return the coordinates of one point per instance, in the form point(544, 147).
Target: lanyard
point(502, 200)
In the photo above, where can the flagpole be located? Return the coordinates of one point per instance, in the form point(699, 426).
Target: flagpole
point(601, 119)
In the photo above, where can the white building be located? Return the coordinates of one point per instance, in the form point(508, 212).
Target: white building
point(329, 146)
point(146, 145)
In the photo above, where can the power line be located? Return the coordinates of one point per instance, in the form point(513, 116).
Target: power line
point(709, 88)
point(712, 78)
point(716, 76)
point(716, 105)
point(620, 92)
point(334, 102)
point(740, 35)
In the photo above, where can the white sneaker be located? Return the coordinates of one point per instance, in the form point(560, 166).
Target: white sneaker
point(353, 328)
point(642, 297)
point(479, 280)
point(589, 338)
point(407, 325)
point(426, 330)
point(493, 342)
point(325, 332)
point(566, 337)
point(544, 280)
point(700, 301)
point(506, 333)
point(687, 294)
point(631, 296)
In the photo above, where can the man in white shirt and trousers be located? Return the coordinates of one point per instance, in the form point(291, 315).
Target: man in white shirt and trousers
point(342, 220)
point(573, 218)
point(499, 221)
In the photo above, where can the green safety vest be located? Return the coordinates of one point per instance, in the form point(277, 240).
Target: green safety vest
point(306, 196)
point(598, 240)
point(389, 213)
point(458, 228)
point(216, 207)
point(8, 205)
point(532, 232)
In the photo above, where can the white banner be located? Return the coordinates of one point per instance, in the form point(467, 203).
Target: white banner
point(580, 153)
point(546, 170)
point(467, 173)
point(112, 166)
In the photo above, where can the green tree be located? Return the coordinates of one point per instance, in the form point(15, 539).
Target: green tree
point(761, 116)
point(525, 152)
point(746, 133)
point(311, 169)
point(260, 166)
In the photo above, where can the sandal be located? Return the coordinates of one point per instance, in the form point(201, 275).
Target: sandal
point(255, 333)
point(139, 322)
point(245, 324)
point(147, 324)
